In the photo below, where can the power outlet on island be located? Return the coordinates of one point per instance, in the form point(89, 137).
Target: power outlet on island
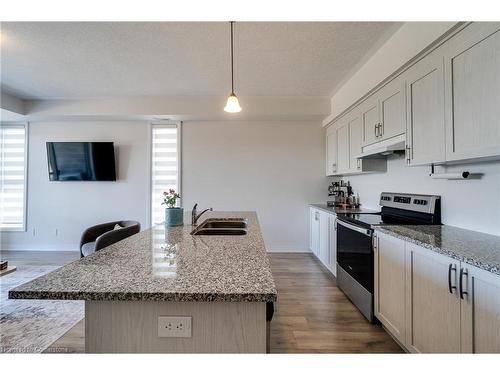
point(174, 326)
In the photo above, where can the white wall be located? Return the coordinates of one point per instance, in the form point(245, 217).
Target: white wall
point(70, 207)
point(470, 204)
point(405, 44)
point(274, 168)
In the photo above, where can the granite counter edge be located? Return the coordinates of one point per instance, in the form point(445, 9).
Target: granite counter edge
point(161, 297)
point(473, 262)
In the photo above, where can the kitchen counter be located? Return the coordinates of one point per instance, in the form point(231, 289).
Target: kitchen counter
point(475, 248)
point(165, 290)
point(337, 210)
point(166, 264)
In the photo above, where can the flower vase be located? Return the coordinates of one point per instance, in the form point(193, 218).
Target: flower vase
point(174, 216)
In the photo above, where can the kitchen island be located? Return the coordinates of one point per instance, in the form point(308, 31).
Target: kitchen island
point(136, 290)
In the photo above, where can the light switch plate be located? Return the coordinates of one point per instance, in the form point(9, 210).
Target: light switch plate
point(174, 326)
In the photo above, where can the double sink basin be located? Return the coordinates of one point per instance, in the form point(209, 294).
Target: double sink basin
point(222, 227)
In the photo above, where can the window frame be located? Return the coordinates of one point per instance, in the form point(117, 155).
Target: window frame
point(163, 124)
point(25, 126)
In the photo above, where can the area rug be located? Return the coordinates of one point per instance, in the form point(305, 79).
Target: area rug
point(31, 326)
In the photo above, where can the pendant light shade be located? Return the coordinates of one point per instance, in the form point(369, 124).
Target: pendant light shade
point(232, 105)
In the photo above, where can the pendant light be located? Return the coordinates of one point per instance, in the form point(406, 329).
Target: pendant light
point(232, 105)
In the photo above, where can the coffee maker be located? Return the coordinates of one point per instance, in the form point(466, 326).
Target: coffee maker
point(340, 194)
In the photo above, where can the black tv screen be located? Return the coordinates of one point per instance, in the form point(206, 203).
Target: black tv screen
point(81, 161)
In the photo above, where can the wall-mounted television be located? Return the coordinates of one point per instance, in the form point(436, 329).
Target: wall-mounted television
point(81, 161)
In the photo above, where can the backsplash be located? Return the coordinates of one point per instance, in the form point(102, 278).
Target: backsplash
point(469, 204)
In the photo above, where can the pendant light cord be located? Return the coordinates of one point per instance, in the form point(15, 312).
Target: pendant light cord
point(232, 68)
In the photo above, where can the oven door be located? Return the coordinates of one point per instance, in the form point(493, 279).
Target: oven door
point(355, 252)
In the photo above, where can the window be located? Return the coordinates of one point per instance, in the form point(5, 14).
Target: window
point(13, 166)
point(165, 166)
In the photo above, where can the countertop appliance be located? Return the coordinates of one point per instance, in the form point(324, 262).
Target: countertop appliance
point(355, 258)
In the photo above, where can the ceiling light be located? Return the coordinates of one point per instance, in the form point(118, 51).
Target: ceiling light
point(232, 105)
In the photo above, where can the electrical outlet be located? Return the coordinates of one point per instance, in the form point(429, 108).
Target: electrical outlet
point(174, 326)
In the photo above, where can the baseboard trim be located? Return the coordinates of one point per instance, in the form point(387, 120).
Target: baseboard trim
point(27, 247)
point(286, 249)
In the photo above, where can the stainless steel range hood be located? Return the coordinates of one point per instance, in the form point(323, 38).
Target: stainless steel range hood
point(381, 149)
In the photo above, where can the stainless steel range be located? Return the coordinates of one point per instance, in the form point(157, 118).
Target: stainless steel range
point(355, 258)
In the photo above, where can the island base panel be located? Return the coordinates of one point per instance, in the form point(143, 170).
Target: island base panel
point(217, 327)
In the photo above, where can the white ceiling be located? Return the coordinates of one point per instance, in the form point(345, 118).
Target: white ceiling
point(94, 60)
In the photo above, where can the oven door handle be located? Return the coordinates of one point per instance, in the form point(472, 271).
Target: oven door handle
point(366, 232)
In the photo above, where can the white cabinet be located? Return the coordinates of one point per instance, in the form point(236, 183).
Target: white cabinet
point(332, 261)
point(322, 237)
point(370, 119)
point(355, 142)
point(314, 230)
point(433, 304)
point(343, 155)
point(347, 136)
point(383, 115)
point(392, 109)
point(331, 150)
point(480, 310)
point(390, 291)
point(472, 87)
point(425, 134)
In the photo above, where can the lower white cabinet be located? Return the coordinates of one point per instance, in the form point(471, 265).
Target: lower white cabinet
point(432, 303)
point(390, 276)
point(332, 248)
point(322, 238)
point(314, 230)
point(480, 310)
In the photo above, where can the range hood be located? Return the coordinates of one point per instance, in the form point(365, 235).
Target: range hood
point(380, 149)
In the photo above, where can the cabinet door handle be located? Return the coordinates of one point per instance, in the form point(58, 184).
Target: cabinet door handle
point(380, 129)
point(461, 288)
point(451, 267)
point(407, 152)
point(375, 128)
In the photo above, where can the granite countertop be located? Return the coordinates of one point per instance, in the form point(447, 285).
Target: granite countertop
point(478, 249)
point(337, 210)
point(166, 264)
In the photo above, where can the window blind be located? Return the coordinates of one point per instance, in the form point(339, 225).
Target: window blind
point(12, 177)
point(165, 167)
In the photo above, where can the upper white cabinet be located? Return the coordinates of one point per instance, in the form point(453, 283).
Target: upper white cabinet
point(331, 150)
point(383, 114)
point(343, 155)
point(425, 134)
point(370, 119)
point(480, 303)
point(392, 103)
point(355, 141)
point(472, 87)
point(447, 103)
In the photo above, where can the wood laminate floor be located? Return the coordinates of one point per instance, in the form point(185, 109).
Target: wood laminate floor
point(311, 316)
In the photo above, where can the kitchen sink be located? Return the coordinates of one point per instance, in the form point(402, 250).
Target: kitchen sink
point(222, 227)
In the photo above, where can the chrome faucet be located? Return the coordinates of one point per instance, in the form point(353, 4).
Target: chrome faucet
point(195, 215)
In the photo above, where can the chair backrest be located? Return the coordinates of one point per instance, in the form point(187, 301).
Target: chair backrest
point(130, 228)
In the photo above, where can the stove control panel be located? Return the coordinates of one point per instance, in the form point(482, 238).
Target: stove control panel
point(411, 202)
